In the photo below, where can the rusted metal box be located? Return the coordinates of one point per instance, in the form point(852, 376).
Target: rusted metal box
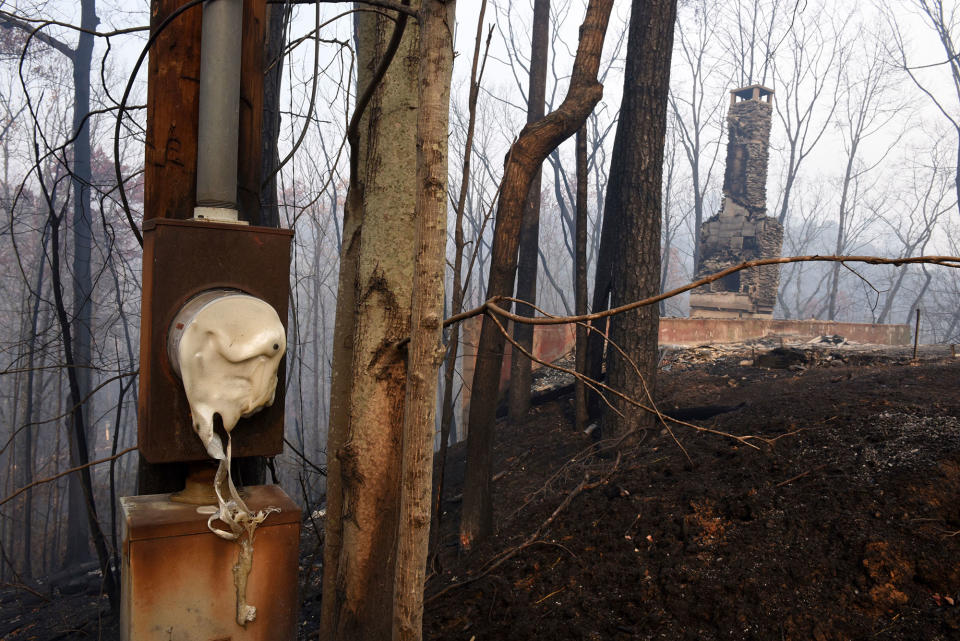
point(182, 258)
point(178, 578)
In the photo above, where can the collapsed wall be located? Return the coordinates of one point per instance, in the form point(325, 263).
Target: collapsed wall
point(741, 230)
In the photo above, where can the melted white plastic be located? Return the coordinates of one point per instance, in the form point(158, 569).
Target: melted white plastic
point(227, 347)
point(228, 355)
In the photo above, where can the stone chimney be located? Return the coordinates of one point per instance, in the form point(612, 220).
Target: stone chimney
point(741, 230)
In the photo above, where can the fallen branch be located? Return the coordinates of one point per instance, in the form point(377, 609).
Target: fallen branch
point(800, 476)
point(598, 386)
point(25, 588)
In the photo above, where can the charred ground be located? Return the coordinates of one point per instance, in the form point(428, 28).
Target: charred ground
point(841, 523)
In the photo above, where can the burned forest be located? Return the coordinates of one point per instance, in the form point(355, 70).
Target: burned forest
point(397, 320)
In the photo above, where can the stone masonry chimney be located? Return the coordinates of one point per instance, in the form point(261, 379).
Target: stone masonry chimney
point(741, 231)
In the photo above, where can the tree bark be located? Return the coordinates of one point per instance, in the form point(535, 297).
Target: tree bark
point(535, 141)
point(76, 417)
point(520, 365)
point(456, 302)
point(634, 196)
point(78, 543)
point(580, 279)
point(26, 460)
point(841, 241)
point(373, 315)
point(425, 352)
point(274, 42)
point(631, 226)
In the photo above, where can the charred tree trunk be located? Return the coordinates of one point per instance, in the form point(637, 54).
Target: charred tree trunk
point(453, 343)
point(580, 279)
point(274, 42)
point(520, 365)
point(76, 416)
point(78, 543)
point(26, 460)
point(634, 197)
point(536, 140)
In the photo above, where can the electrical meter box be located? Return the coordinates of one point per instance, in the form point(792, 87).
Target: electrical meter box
point(181, 259)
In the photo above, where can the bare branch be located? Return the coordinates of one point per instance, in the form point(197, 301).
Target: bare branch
point(491, 304)
point(65, 472)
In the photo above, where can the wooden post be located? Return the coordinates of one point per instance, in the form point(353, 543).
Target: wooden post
point(170, 171)
point(916, 334)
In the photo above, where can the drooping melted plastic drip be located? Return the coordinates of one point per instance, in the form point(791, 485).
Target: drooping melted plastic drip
point(243, 524)
point(227, 348)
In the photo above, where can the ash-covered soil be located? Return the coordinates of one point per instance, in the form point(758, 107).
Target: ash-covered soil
point(839, 518)
point(843, 522)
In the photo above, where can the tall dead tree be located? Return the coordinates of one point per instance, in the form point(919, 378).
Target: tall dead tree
point(945, 23)
point(808, 76)
point(580, 279)
point(535, 141)
point(372, 316)
point(457, 295)
point(82, 59)
point(865, 111)
point(520, 365)
point(82, 508)
point(631, 224)
point(273, 55)
point(425, 352)
point(698, 107)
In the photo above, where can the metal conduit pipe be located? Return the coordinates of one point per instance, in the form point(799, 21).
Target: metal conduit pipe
point(219, 122)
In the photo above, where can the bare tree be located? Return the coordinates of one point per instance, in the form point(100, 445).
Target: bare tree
point(944, 20)
point(754, 31)
point(866, 110)
point(918, 206)
point(580, 279)
point(278, 16)
point(520, 366)
point(456, 298)
point(634, 198)
point(76, 322)
point(808, 73)
point(698, 107)
point(534, 143)
point(806, 233)
point(672, 218)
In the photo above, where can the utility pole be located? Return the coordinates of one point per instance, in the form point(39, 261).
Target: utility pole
point(170, 169)
point(215, 301)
